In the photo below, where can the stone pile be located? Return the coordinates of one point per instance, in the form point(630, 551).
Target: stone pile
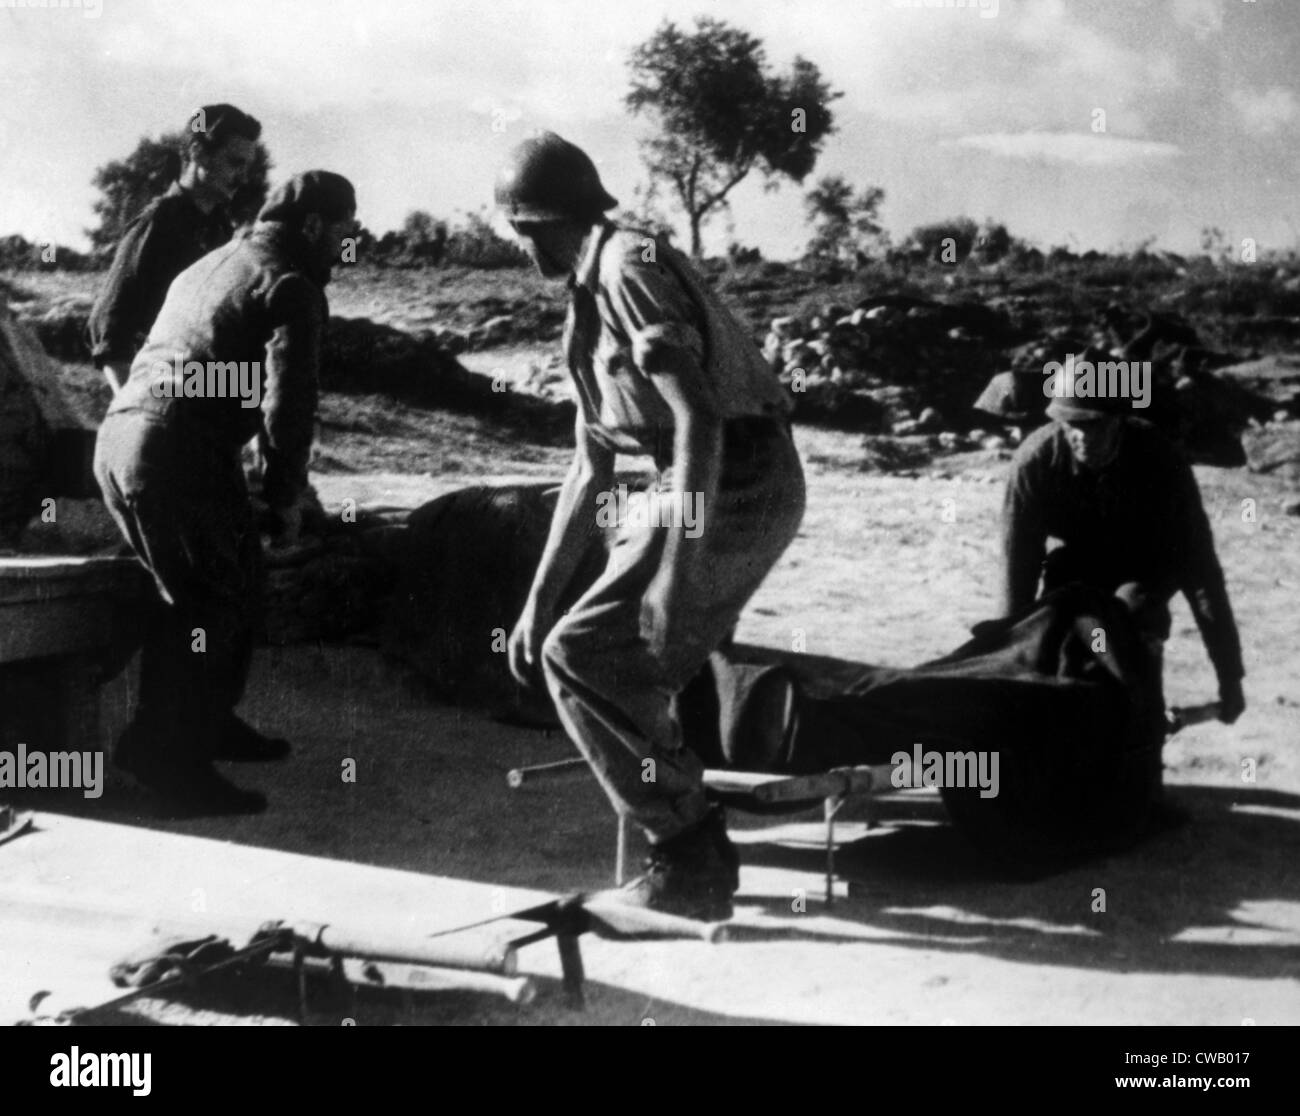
point(893, 364)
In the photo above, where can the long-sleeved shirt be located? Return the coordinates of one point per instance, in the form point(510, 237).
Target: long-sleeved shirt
point(169, 234)
point(255, 306)
point(1138, 519)
point(637, 306)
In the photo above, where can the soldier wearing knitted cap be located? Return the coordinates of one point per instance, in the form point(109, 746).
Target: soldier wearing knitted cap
point(662, 370)
point(174, 230)
point(1124, 504)
point(234, 354)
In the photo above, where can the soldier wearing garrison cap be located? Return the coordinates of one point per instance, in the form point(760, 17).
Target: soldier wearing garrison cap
point(661, 370)
point(1124, 503)
point(167, 460)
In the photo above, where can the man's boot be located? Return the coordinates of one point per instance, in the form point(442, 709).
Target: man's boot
point(693, 875)
point(185, 781)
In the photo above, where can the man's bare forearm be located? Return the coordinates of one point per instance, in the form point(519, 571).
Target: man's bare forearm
point(571, 531)
point(697, 457)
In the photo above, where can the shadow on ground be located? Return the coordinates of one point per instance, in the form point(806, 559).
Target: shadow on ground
point(270, 997)
point(1206, 896)
point(1216, 895)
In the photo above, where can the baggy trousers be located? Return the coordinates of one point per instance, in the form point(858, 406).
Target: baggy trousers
point(614, 698)
point(182, 505)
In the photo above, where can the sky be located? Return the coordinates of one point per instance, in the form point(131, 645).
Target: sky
point(992, 110)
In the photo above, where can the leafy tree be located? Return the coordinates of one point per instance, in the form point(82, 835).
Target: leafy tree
point(128, 185)
point(420, 226)
point(17, 253)
point(845, 227)
point(644, 214)
point(720, 113)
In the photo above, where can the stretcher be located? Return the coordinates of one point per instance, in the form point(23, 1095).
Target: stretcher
point(753, 792)
point(766, 793)
point(96, 915)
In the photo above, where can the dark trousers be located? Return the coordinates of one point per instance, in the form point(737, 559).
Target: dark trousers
point(182, 505)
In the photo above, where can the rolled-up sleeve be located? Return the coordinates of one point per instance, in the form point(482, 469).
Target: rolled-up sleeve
point(650, 307)
point(297, 313)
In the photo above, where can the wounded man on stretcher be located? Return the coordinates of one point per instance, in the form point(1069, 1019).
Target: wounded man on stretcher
point(1052, 720)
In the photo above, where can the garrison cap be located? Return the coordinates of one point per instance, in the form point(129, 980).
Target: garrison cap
point(317, 191)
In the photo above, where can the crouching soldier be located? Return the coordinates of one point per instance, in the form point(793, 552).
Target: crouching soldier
point(1120, 497)
point(235, 350)
point(172, 232)
point(661, 369)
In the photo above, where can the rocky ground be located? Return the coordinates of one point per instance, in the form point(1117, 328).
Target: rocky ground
point(1201, 922)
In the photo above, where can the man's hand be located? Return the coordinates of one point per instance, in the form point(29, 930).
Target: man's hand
point(662, 624)
point(1232, 701)
point(524, 650)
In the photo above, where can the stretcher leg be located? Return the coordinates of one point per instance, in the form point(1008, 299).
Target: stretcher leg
point(620, 853)
point(831, 806)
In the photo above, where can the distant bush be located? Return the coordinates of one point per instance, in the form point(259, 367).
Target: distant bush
point(424, 238)
point(17, 253)
point(424, 241)
point(1240, 290)
point(846, 226)
point(946, 242)
point(476, 244)
point(993, 243)
point(739, 255)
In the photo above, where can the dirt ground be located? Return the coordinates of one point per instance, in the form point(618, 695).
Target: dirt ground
point(1201, 922)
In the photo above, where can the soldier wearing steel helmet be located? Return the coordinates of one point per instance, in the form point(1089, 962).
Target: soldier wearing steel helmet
point(662, 370)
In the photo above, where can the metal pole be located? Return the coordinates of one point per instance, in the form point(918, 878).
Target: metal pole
point(620, 856)
point(517, 776)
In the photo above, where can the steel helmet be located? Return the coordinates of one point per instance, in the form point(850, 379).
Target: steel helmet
point(549, 179)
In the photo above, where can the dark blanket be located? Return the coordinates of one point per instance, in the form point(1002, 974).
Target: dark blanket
point(1064, 694)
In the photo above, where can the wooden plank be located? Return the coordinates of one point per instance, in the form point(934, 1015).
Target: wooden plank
point(44, 566)
point(58, 606)
point(44, 629)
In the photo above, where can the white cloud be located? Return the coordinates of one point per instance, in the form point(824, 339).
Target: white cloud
point(1039, 66)
point(1077, 148)
point(1205, 17)
point(1265, 112)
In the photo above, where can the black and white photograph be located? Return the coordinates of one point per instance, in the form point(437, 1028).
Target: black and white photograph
point(684, 513)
